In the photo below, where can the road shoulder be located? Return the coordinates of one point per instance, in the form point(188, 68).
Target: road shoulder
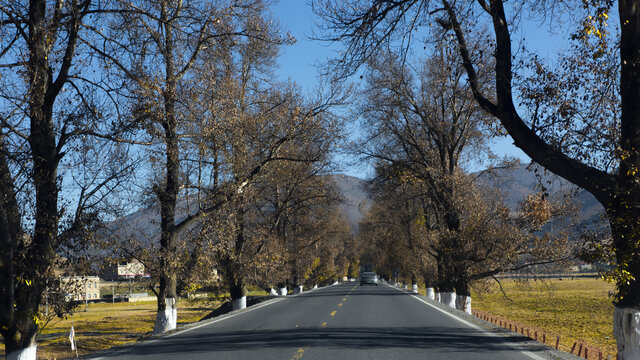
point(530, 347)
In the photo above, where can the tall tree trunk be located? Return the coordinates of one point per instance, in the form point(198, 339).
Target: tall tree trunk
point(237, 290)
point(166, 318)
point(445, 281)
point(167, 294)
point(235, 279)
point(9, 242)
point(414, 283)
point(430, 287)
point(463, 295)
point(624, 212)
point(29, 264)
point(294, 271)
point(30, 280)
point(625, 229)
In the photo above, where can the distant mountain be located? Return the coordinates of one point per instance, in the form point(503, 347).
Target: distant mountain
point(144, 224)
point(515, 184)
point(355, 198)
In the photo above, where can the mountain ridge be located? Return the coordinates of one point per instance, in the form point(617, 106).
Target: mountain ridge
point(516, 183)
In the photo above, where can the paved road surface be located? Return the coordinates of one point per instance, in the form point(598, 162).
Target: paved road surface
point(344, 321)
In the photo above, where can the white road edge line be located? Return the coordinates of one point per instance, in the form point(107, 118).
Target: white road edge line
point(179, 332)
point(455, 317)
point(250, 308)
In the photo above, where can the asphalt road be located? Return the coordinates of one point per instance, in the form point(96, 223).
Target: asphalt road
point(345, 321)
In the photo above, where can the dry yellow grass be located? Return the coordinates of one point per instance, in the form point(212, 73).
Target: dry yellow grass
point(105, 325)
point(577, 310)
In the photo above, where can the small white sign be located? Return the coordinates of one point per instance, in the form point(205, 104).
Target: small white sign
point(72, 338)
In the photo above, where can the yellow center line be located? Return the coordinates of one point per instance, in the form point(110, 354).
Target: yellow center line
point(324, 324)
point(340, 305)
point(333, 312)
point(344, 299)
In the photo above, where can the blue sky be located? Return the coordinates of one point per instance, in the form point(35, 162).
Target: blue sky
point(297, 62)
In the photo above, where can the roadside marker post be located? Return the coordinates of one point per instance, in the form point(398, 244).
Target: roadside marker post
point(72, 339)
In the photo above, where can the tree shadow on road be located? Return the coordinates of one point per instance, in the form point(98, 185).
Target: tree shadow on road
point(227, 307)
point(434, 337)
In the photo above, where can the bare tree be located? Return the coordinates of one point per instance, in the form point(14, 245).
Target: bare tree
point(56, 118)
point(420, 124)
point(614, 183)
point(157, 48)
point(392, 234)
point(419, 130)
point(274, 151)
point(201, 88)
point(291, 192)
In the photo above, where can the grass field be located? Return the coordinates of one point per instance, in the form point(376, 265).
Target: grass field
point(577, 310)
point(105, 325)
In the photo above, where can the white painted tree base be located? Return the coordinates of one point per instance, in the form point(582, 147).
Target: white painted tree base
point(298, 289)
point(463, 303)
point(315, 286)
point(449, 299)
point(431, 294)
point(239, 304)
point(166, 320)
point(272, 292)
point(438, 297)
point(282, 291)
point(414, 288)
point(335, 283)
point(405, 287)
point(24, 354)
point(626, 329)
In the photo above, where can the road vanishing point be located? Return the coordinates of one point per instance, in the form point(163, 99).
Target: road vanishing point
point(344, 321)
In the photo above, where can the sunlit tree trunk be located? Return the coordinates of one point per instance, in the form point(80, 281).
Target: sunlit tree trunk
point(430, 287)
point(463, 295)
